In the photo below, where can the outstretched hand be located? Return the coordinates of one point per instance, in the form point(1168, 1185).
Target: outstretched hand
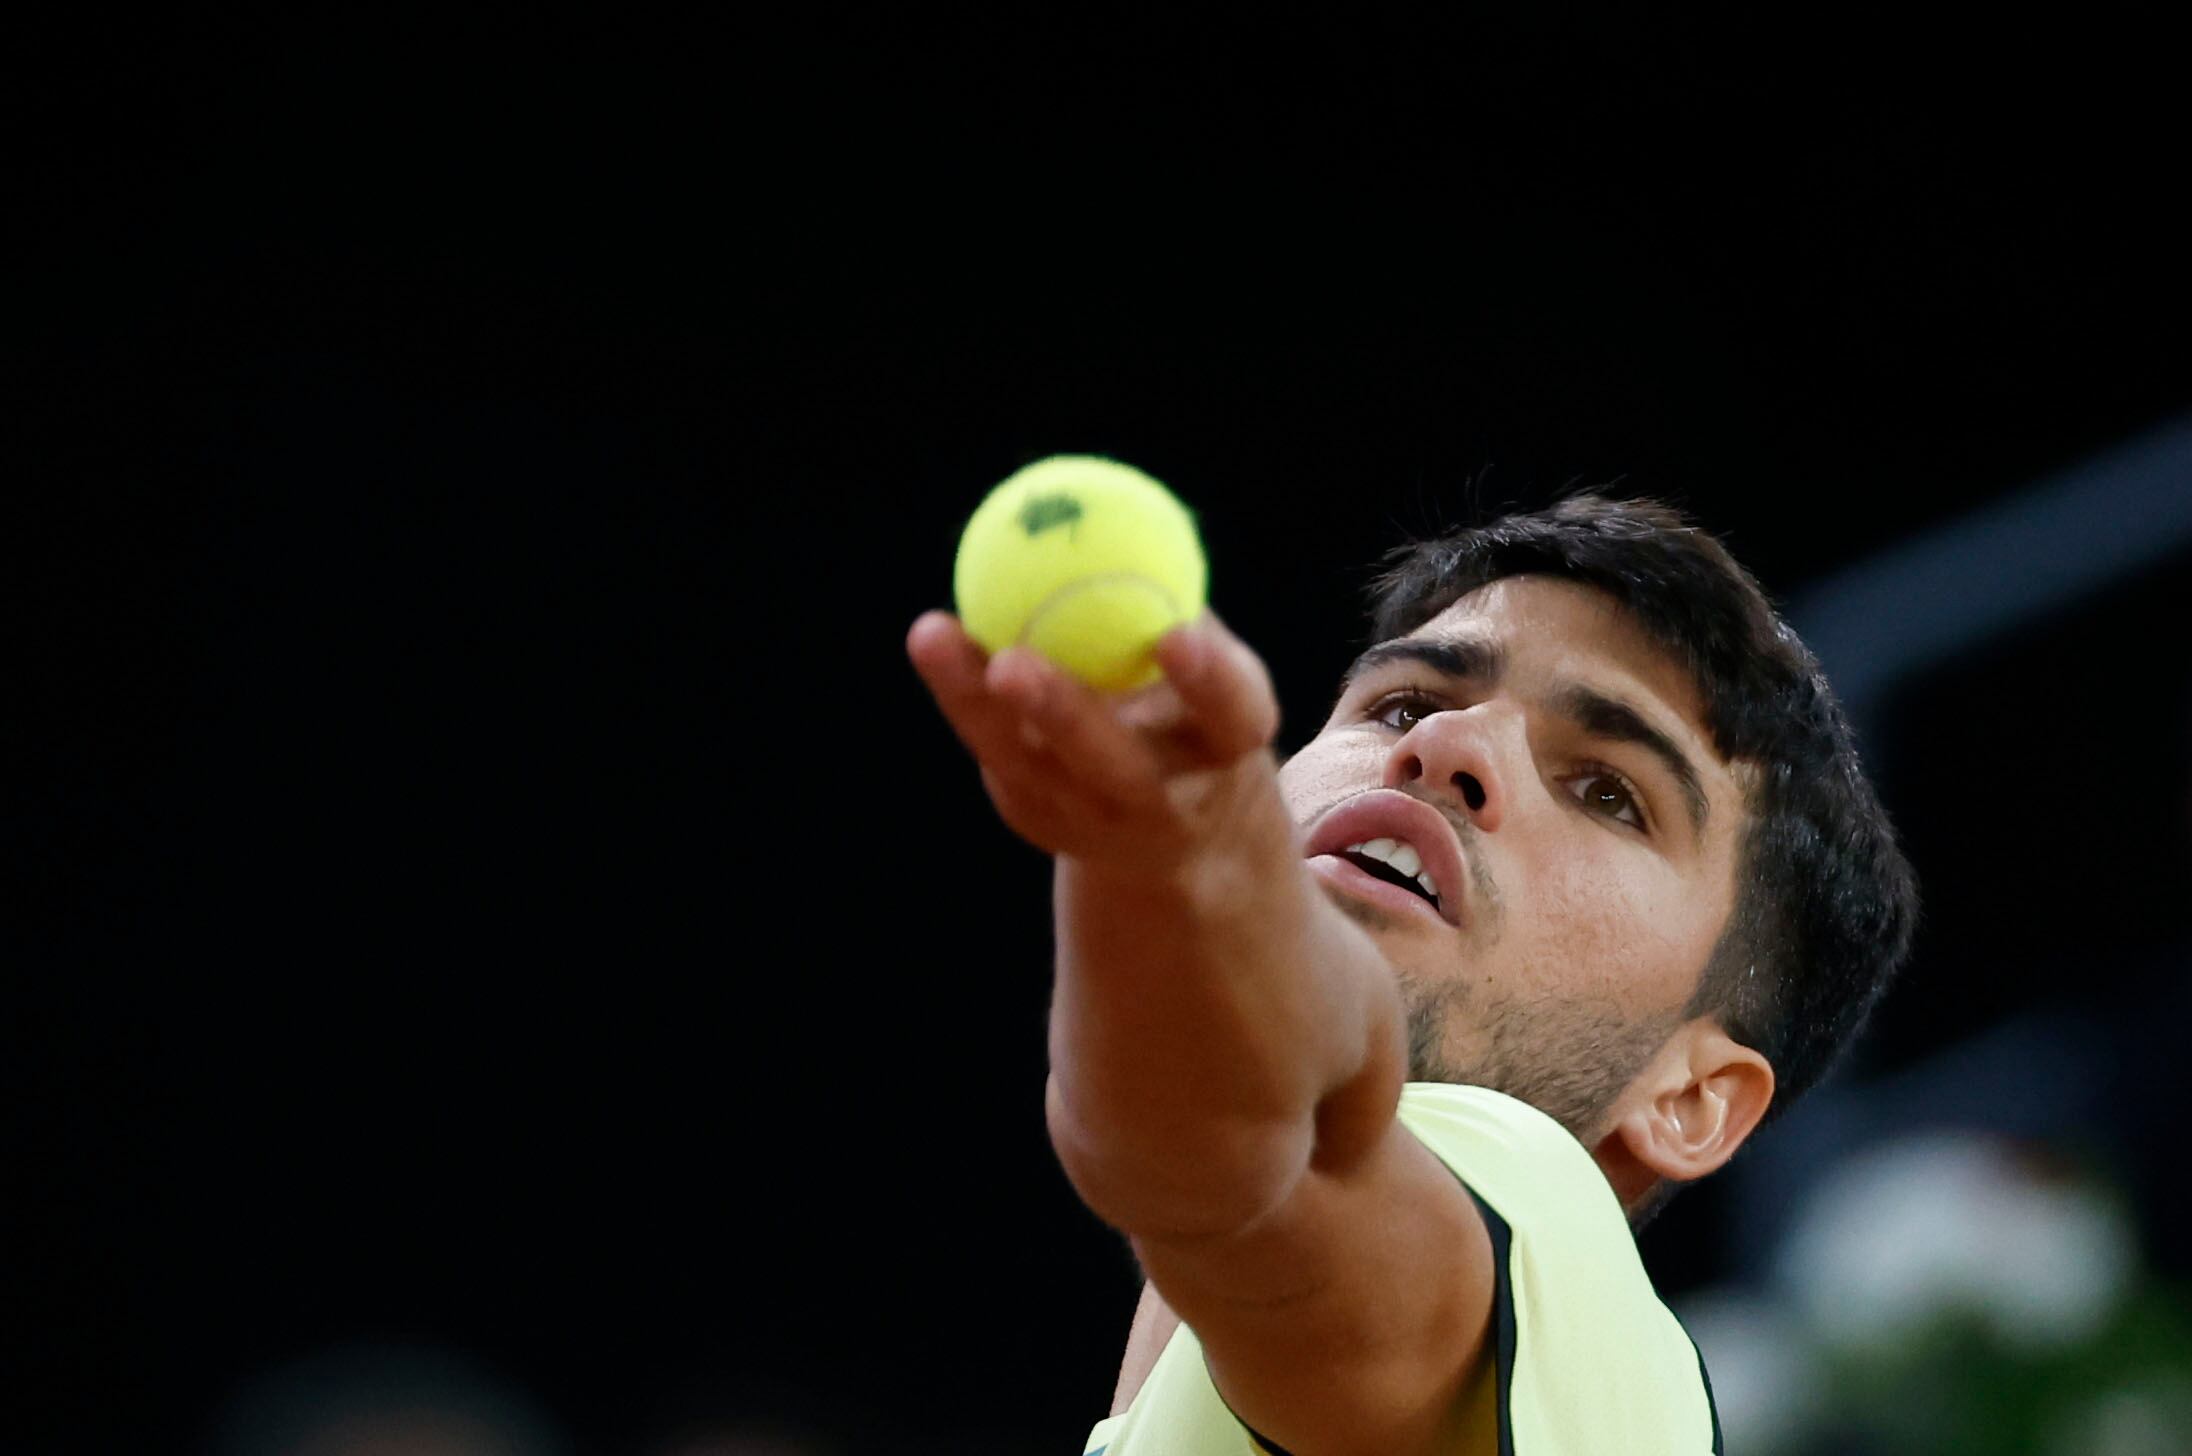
point(1138, 783)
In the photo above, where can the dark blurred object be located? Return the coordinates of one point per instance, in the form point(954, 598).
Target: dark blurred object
point(755, 1442)
point(385, 1401)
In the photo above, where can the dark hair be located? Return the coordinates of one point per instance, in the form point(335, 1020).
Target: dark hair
point(1825, 901)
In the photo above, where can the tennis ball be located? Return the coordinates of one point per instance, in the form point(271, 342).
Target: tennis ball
point(1087, 561)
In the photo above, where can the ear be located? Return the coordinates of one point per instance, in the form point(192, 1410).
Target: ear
point(1686, 1113)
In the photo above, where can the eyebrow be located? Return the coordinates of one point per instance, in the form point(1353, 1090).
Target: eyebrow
point(1598, 714)
point(1612, 719)
point(1460, 657)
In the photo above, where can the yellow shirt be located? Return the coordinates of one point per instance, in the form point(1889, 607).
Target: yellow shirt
point(1586, 1361)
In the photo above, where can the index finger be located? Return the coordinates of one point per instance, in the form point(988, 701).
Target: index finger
point(952, 666)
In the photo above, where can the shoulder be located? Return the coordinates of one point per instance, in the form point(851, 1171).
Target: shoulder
point(1587, 1353)
point(1557, 1230)
point(1509, 1154)
point(1480, 1112)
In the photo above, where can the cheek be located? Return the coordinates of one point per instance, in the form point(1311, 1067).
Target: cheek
point(1327, 770)
point(1623, 926)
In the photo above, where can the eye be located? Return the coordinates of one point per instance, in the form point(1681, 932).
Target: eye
point(1404, 710)
point(1602, 791)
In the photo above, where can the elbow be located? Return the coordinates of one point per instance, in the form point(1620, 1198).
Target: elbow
point(1205, 1180)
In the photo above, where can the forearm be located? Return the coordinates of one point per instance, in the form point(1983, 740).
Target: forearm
point(1214, 1029)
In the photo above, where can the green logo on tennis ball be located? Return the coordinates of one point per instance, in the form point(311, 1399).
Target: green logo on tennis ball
point(1049, 512)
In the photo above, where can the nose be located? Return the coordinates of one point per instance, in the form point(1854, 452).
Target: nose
point(1454, 758)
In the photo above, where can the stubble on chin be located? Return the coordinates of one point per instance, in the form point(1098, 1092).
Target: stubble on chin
point(1568, 1059)
point(1428, 1006)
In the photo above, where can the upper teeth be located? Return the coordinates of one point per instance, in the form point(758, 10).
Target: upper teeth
point(1401, 856)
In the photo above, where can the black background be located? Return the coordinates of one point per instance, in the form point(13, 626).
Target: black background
point(485, 875)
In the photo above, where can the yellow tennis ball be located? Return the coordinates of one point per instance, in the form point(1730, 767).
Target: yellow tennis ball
point(1086, 560)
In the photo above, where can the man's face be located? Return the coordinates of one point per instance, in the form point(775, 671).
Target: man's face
point(1582, 841)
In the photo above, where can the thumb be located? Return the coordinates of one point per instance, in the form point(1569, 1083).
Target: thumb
point(1225, 690)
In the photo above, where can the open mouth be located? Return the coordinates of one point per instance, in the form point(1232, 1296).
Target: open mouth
point(1396, 863)
point(1389, 847)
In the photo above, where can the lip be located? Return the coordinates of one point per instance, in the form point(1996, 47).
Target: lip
point(1391, 814)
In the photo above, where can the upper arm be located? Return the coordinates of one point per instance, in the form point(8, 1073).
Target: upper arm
point(1351, 1316)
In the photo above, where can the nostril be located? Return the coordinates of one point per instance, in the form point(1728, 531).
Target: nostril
point(1472, 792)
